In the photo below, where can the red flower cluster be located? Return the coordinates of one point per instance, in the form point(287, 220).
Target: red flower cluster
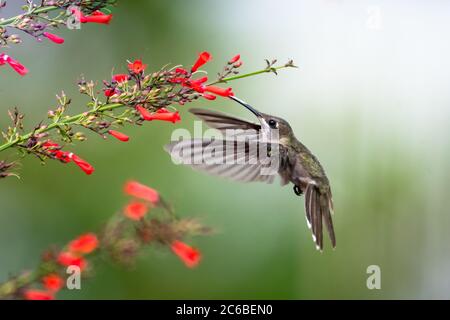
point(148, 97)
point(54, 150)
point(31, 27)
point(121, 239)
point(73, 256)
point(16, 65)
point(177, 76)
point(184, 78)
point(144, 198)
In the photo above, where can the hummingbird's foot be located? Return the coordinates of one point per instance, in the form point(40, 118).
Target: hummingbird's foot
point(297, 190)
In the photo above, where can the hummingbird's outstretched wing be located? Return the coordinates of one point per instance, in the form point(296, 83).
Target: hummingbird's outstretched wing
point(209, 156)
point(223, 157)
point(222, 121)
point(319, 208)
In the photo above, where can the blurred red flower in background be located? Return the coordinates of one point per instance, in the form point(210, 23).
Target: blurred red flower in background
point(32, 294)
point(53, 282)
point(136, 210)
point(189, 255)
point(141, 191)
point(68, 258)
point(84, 244)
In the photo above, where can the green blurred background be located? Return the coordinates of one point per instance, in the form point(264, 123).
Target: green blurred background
point(370, 99)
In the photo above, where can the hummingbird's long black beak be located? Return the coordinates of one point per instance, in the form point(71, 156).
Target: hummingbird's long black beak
point(249, 107)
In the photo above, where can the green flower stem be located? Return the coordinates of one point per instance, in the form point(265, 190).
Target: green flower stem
point(45, 9)
point(251, 74)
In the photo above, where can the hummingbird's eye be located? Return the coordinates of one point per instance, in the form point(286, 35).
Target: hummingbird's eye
point(273, 124)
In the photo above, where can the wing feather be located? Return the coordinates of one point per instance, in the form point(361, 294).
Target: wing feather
point(238, 165)
point(222, 121)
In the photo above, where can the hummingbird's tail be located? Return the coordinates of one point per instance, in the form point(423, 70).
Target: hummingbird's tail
point(319, 208)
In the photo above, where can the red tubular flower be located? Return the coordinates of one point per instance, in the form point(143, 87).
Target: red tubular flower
point(70, 259)
point(194, 86)
point(235, 58)
point(110, 92)
point(159, 115)
point(51, 146)
point(136, 210)
point(16, 65)
point(95, 17)
point(238, 64)
point(53, 282)
point(84, 165)
point(203, 58)
point(119, 135)
point(166, 116)
point(143, 112)
point(32, 294)
point(209, 96)
point(137, 66)
point(190, 256)
point(84, 244)
point(181, 71)
point(55, 150)
point(120, 77)
point(141, 191)
point(53, 37)
point(224, 92)
point(98, 17)
point(163, 110)
point(199, 81)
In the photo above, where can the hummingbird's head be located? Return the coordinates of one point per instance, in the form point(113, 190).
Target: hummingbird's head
point(269, 122)
point(276, 123)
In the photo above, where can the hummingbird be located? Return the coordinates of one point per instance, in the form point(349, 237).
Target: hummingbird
point(296, 163)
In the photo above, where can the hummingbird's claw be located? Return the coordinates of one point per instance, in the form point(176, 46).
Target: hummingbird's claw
point(297, 190)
